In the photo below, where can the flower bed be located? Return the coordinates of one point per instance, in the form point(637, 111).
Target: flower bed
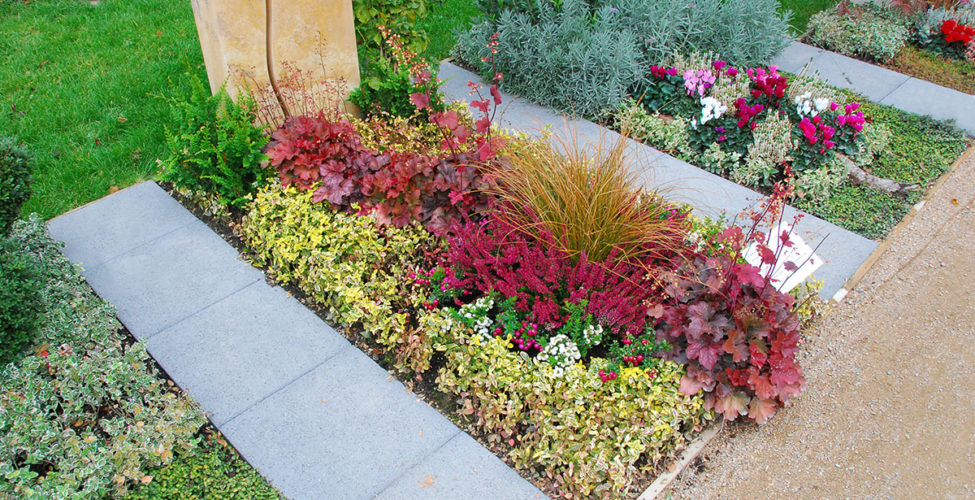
point(856, 165)
point(84, 413)
point(934, 41)
point(577, 324)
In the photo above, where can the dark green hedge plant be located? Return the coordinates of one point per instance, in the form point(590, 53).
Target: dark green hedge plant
point(16, 166)
point(21, 280)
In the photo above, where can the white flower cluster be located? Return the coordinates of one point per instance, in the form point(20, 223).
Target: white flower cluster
point(592, 335)
point(806, 104)
point(475, 316)
point(713, 109)
point(561, 352)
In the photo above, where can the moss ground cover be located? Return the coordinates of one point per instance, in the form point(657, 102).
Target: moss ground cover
point(951, 73)
point(78, 88)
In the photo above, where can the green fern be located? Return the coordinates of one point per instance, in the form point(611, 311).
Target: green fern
point(216, 148)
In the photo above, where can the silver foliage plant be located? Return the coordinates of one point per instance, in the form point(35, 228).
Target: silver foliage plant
point(584, 57)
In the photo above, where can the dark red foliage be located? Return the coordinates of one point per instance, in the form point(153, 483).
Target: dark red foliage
point(397, 187)
point(736, 334)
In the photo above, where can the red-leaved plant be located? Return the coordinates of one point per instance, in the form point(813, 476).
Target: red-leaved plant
point(736, 333)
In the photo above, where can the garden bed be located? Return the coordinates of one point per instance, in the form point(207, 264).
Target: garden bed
point(85, 411)
point(464, 259)
point(927, 40)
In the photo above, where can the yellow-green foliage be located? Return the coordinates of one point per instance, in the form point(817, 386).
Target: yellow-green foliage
point(392, 134)
point(346, 262)
point(590, 437)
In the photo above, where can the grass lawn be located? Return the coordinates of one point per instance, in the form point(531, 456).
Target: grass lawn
point(78, 86)
point(446, 17)
point(802, 10)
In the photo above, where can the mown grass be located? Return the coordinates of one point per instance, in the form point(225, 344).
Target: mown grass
point(802, 10)
point(78, 87)
point(445, 18)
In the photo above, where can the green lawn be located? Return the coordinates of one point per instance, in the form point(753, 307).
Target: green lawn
point(445, 18)
point(78, 85)
point(802, 10)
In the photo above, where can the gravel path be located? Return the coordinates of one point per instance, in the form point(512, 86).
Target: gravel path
point(889, 409)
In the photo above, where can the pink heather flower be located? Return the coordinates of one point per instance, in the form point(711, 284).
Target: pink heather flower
point(722, 138)
point(732, 72)
point(841, 120)
point(833, 106)
point(718, 65)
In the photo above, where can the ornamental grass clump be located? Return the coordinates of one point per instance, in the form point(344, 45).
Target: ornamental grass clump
point(587, 201)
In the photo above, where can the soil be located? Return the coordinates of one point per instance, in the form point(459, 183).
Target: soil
point(889, 406)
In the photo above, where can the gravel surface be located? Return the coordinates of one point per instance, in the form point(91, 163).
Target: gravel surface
point(889, 406)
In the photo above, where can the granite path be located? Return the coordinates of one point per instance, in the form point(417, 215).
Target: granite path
point(316, 416)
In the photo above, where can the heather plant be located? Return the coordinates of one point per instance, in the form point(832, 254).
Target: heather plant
point(215, 147)
point(16, 167)
point(84, 415)
point(586, 199)
point(872, 32)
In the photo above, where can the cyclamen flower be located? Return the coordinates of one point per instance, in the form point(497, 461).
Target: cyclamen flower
point(698, 81)
point(713, 109)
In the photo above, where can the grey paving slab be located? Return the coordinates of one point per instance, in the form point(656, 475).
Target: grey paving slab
point(162, 282)
point(245, 347)
point(461, 470)
point(839, 70)
point(115, 224)
point(842, 251)
point(926, 98)
point(346, 430)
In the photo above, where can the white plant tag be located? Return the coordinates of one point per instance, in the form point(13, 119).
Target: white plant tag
point(799, 253)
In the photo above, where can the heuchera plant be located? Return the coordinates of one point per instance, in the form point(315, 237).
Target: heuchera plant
point(397, 187)
point(736, 333)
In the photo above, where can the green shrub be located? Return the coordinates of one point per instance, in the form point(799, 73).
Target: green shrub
point(85, 416)
point(16, 166)
point(875, 34)
point(214, 471)
point(585, 58)
point(21, 280)
point(589, 437)
point(216, 147)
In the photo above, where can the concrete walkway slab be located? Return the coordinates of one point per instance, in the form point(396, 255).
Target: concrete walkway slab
point(347, 429)
point(253, 343)
point(123, 221)
point(445, 474)
point(168, 279)
point(317, 417)
point(709, 194)
point(881, 84)
point(840, 71)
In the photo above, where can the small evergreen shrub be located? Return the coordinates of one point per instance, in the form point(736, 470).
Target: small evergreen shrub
point(21, 281)
point(16, 165)
point(874, 33)
point(216, 147)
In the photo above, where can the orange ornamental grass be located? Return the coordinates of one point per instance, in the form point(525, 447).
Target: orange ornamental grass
point(586, 199)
